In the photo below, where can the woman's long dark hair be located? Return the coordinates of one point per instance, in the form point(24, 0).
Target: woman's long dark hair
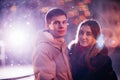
point(96, 32)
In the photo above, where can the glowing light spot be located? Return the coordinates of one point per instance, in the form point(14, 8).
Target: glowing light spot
point(28, 23)
point(17, 38)
point(100, 41)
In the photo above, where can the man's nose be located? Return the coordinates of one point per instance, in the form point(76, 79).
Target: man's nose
point(61, 24)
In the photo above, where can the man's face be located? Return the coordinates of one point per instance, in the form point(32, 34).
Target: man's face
point(58, 26)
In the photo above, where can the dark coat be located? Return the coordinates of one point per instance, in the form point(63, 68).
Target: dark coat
point(101, 62)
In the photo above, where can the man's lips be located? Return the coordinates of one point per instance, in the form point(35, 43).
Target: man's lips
point(61, 31)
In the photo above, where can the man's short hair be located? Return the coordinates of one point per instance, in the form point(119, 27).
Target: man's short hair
point(54, 12)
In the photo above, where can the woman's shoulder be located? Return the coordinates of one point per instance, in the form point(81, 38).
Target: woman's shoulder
point(72, 47)
point(104, 51)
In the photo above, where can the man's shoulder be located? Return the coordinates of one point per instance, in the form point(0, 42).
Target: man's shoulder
point(43, 45)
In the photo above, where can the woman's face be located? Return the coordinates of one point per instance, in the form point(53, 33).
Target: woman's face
point(86, 37)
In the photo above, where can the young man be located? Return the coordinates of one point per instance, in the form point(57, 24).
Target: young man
point(50, 59)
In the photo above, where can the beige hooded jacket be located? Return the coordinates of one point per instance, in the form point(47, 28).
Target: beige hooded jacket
point(50, 59)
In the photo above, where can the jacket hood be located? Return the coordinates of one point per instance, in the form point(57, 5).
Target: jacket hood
point(44, 36)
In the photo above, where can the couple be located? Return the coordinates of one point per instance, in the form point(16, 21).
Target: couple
point(86, 60)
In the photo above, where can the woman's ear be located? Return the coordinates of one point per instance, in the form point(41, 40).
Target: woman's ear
point(94, 41)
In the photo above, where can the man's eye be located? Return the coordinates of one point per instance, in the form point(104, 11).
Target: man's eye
point(64, 22)
point(56, 22)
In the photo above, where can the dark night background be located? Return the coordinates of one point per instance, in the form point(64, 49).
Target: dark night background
point(28, 16)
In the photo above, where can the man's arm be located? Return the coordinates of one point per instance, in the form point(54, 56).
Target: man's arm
point(44, 66)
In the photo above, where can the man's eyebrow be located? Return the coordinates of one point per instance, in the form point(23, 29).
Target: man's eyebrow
point(58, 20)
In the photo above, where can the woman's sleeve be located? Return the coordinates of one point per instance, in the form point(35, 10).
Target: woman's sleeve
point(106, 71)
point(110, 73)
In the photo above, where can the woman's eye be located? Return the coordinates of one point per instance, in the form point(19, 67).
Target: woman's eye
point(81, 33)
point(88, 33)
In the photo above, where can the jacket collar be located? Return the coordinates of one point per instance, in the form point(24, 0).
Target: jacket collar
point(45, 37)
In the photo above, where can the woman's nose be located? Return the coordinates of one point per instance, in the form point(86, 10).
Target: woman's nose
point(84, 36)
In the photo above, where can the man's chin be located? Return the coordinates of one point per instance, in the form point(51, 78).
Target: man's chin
point(60, 36)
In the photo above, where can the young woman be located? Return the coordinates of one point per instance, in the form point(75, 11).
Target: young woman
point(89, 61)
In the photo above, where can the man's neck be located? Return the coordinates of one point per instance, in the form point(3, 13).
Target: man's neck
point(59, 39)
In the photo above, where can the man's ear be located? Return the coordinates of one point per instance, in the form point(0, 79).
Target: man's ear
point(47, 26)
